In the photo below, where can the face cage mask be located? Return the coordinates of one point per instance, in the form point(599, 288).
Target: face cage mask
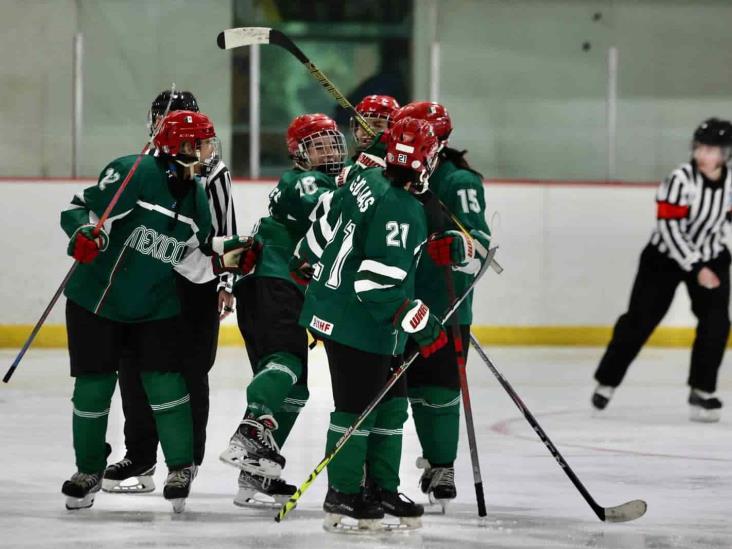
point(330, 149)
point(208, 164)
point(423, 179)
point(364, 142)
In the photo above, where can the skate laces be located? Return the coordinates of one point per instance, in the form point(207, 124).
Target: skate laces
point(179, 478)
point(84, 478)
point(263, 426)
point(442, 475)
point(124, 462)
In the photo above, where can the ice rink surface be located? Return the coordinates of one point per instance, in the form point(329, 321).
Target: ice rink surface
point(642, 447)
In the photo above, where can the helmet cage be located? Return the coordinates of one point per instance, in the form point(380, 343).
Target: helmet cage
point(365, 141)
point(330, 146)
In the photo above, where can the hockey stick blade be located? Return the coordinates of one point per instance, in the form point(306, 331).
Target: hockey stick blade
point(243, 36)
point(626, 512)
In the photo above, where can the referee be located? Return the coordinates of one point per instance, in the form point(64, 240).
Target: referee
point(205, 299)
point(686, 246)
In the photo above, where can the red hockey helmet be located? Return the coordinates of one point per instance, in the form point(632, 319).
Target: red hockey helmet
point(432, 112)
point(183, 126)
point(314, 142)
point(375, 109)
point(413, 145)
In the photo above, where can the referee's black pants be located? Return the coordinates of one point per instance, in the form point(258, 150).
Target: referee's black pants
point(653, 291)
point(198, 339)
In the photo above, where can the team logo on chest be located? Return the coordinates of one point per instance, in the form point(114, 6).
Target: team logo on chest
point(160, 246)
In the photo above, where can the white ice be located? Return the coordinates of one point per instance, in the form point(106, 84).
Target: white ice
point(642, 447)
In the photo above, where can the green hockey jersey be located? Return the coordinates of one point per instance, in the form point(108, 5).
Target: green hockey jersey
point(461, 190)
point(290, 205)
point(365, 251)
point(372, 157)
point(150, 230)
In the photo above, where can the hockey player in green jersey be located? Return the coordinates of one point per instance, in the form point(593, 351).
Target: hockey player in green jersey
point(434, 383)
point(122, 298)
point(360, 301)
point(269, 308)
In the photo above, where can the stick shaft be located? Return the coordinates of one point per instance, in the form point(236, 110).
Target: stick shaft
point(598, 509)
point(465, 392)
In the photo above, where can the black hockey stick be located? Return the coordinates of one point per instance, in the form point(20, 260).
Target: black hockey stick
point(464, 391)
point(97, 228)
point(630, 510)
point(248, 36)
point(290, 504)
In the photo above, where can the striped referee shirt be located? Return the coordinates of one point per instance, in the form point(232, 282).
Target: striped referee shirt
point(196, 266)
point(692, 215)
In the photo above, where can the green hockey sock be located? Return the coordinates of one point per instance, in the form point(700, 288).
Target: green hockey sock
point(345, 471)
point(171, 406)
point(276, 375)
point(436, 412)
point(92, 396)
point(288, 412)
point(385, 443)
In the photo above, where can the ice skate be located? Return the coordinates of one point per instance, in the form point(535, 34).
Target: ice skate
point(81, 489)
point(258, 491)
point(253, 449)
point(398, 505)
point(438, 483)
point(127, 477)
point(704, 407)
point(351, 513)
point(601, 397)
point(178, 486)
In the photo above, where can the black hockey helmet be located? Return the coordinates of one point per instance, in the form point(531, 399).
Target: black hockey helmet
point(714, 131)
point(182, 101)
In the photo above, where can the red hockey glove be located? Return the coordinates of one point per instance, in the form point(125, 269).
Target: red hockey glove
point(84, 245)
point(415, 318)
point(301, 271)
point(451, 248)
point(235, 254)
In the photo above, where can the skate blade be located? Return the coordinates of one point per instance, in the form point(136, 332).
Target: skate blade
point(75, 504)
point(262, 467)
point(254, 499)
point(179, 505)
point(132, 485)
point(443, 503)
point(405, 524)
point(700, 415)
point(341, 524)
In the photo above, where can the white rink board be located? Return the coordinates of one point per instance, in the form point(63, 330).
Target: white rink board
point(644, 447)
point(569, 252)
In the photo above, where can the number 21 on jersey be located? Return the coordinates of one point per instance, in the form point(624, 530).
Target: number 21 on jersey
point(397, 234)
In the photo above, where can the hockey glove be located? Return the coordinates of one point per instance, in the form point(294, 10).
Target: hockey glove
point(451, 248)
point(235, 254)
point(300, 271)
point(84, 245)
point(472, 266)
point(415, 318)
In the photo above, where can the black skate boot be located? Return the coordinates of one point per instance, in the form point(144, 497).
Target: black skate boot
point(253, 449)
point(259, 491)
point(438, 483)
point(178, 486)
point(128, 477)
point(399, 505)
point(704, 407)
point(80, 490)
point(601, 397)
point(366, 513)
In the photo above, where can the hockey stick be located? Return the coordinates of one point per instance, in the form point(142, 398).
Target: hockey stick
point(630, 510)
point(249, 36)
point(464, 391)
point(290, 504)
point(97, 229)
